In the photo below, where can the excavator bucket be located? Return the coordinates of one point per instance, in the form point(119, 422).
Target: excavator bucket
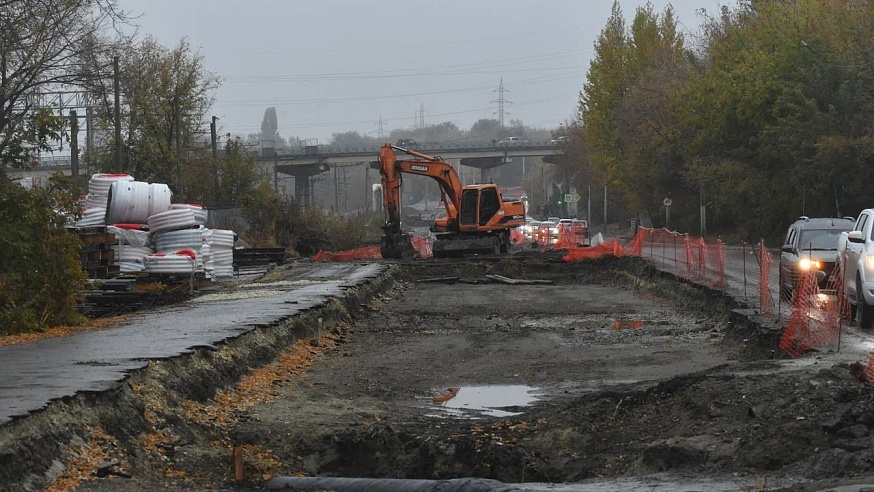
point(397, 246)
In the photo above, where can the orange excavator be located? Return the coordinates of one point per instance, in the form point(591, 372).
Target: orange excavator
point(477, 219)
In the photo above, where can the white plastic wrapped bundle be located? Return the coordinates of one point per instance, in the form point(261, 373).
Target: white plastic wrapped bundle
point(128, 202)
point(130, 258)
point(159, 198)
point(223, 263)
point(99, 183)
point(200, 213)
point(172, 241)
point(92, 200)
point(172, 219)
point(222, 243)
point(221, 238)
point(132, 237)
point(169, 263)
point(92, 217)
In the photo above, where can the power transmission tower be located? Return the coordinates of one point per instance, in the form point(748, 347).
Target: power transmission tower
point(502, 101)
point(380, 128)
point(421, 116)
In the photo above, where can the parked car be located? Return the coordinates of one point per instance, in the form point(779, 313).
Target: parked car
point(856, 252)
point(531, 229)
point(547, 233)
point(407, 143)
point(810, 244)
point(580, 232)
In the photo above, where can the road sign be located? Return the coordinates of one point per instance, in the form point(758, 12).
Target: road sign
point(667, 202)
point(568, 197)
point(577, 197)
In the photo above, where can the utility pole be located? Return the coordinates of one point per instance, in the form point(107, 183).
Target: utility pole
point(336, 191)
point(116, 84)
point(368, 194)
point(89, 139)
point(74, 153)
point(214, 142)
point(589, 205)
point(605, 206)
point(180, 187)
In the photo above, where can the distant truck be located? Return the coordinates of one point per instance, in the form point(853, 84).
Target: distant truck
point(856, 255)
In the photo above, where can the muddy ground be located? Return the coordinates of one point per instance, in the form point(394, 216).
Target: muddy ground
point(608, 374)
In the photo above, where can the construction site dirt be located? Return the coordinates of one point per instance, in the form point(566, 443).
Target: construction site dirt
point(594, 375)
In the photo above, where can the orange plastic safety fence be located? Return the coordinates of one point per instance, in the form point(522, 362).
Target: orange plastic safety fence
point(719, 265)
point(703, 262)
point(364, 253)
point(764, 279)
point(807, 327)
point(701, 248)
point(837, 310)
point(610, 247)
point(867, 375)
point(423, 246)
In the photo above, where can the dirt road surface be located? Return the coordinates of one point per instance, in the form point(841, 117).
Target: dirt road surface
point(598, 375)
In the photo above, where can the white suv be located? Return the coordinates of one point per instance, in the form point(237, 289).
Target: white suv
point(512, 141)
point(856, 254)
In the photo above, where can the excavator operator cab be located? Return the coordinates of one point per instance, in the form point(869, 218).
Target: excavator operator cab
point(478, 205)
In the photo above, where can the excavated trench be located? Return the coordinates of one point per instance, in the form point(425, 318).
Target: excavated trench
point(521, 370)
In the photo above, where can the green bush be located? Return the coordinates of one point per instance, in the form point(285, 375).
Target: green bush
point(41, 279)
point(276, 221)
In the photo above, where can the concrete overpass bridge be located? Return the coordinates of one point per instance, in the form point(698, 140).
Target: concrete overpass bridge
point(307, 161)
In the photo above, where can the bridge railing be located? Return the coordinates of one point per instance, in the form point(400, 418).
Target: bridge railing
point(425, 147)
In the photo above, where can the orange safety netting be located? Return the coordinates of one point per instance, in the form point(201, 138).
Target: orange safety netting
point(423, 246)
point(569, 238)
point(809, 324)
point(609, 247)
point(365, 253)
point(764, 279)
point(708, 261)
point(703, 262)
point(817, 313)
point(420, 244)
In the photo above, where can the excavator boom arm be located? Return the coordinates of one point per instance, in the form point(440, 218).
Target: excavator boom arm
point(425, 165)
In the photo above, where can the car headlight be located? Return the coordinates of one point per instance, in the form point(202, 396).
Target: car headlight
point(806, 264)
point(869, 261)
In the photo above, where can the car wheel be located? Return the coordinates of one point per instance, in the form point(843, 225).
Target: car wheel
point(785, 293)
point(866, 312)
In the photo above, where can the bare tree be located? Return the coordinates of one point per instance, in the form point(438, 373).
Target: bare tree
point(42, 47)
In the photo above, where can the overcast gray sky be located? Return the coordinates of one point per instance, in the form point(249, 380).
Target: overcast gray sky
point(331, 66)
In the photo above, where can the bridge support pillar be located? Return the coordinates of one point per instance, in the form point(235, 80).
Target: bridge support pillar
point(302, 174)
point(485, 165)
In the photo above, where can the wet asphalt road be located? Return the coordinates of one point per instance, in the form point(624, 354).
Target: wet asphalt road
point(32, 375)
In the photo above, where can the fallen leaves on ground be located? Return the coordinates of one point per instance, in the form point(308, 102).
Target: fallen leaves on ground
point(62, 331)
point(84, 460)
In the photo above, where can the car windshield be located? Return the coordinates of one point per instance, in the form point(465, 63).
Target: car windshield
point(819, 239)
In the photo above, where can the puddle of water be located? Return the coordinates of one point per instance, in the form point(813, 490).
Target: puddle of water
point(495, 401)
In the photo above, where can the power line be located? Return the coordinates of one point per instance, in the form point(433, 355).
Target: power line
point(430, 71)
point(464, 42)
point(574, 74)
point(416, 115)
